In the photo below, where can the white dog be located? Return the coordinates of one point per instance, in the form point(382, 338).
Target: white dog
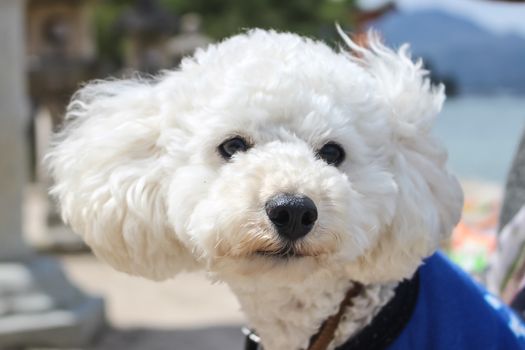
point(290, 171)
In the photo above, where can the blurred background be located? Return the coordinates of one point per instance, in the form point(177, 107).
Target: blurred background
point(48, 48)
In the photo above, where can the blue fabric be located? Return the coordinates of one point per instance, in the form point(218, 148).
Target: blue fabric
point(454, 313)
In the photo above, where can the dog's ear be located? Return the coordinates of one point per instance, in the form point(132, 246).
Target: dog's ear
point(111, 178)
point(429, 199)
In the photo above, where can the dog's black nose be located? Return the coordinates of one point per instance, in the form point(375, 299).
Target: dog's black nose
point(292, 215)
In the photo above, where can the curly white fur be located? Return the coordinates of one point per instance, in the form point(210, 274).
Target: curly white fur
point(138, 174)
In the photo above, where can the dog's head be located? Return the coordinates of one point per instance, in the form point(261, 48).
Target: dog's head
point(266, 153)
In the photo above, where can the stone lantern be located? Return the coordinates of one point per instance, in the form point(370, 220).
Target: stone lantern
point(61, 51)
point(61, 55)
point(188, 40)
point(147, 29)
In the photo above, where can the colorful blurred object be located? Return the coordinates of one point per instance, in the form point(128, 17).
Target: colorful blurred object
point(474, 239)
point(471, 248)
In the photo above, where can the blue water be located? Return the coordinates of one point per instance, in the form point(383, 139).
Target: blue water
point(481, 135)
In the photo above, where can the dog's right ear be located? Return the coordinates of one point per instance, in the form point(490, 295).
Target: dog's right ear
point(111, 178)
point(430, 199)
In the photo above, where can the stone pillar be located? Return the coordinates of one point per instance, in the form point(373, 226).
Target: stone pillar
point(38, 305)
point(13, 113)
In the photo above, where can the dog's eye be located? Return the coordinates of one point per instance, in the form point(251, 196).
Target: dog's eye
point(332, 153)
point(229, 147)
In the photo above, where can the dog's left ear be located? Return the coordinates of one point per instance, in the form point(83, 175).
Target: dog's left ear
point(112, 177)
point(429, 198)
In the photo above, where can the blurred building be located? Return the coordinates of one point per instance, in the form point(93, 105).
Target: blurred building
point(368, 11)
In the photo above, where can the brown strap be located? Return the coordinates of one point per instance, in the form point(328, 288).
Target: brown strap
point(326, 333)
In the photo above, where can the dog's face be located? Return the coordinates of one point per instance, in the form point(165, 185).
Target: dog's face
point(265, 154)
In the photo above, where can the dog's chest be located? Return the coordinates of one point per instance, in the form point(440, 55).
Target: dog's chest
point(286, 317)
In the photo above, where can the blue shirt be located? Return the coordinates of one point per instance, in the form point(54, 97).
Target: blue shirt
point(454, 312)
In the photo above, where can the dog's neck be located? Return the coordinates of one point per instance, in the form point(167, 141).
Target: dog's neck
point(286, 316)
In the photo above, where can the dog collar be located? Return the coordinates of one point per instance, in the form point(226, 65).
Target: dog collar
point(377, 335)
point(252, 340)
point(390, 321)
point(325, 334)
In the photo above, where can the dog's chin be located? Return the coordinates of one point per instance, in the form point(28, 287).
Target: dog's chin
point(282, 254)
point(287, 251)
point(284, 251)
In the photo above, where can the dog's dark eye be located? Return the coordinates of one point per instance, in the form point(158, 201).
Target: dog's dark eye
point(332, 153)
point(229, 147)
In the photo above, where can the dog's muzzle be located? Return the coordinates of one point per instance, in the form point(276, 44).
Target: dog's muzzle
point(292, 215)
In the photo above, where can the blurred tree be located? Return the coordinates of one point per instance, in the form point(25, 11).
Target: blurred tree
point(222, 18)
point(109, 44)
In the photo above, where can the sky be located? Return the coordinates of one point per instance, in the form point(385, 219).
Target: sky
point(498, 17)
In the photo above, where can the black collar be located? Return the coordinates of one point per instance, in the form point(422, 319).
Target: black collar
point(384, 328)
point(390, 321)
point(251, 340)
